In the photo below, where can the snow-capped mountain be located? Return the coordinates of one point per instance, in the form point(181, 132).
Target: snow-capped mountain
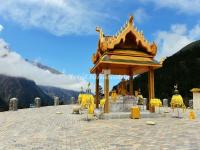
point(44, 67)
point(12, 64)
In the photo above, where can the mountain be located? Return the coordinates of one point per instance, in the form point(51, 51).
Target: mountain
point(13, 64)
point(182, 68)
point(26, 79)
point(23, 89)
point(63, 94)
point(26, 91)
point(44, 67)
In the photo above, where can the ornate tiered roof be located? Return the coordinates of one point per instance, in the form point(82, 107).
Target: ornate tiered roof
point(128, 32)
point(127, 48)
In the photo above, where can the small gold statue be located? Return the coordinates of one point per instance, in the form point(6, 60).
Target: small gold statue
point(122, 88)
point(114, 96)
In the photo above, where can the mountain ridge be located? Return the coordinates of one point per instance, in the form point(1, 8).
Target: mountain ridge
point(23, 89)
point(63, 94)
point(44, 67)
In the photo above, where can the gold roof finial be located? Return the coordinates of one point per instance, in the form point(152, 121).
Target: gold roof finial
point(98, 29)
point(131, 19)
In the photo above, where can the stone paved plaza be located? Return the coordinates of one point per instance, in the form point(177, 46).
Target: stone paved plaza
point(47, 129)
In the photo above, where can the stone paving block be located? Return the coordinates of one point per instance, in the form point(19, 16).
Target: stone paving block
point(44, 129)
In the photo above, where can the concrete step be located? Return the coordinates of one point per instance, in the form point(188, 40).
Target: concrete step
point(126, 115)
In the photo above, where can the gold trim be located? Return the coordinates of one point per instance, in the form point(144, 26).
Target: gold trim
point(93, 70)
point(114, 57)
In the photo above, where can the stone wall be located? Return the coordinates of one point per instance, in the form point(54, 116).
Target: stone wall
point(122, 104)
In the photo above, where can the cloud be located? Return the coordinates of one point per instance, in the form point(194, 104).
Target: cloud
point(140, 15)
point(12, 64)
point(59, 17)
point(185, 6)
point(195, 32)
point(1, 27)
point(169, 42)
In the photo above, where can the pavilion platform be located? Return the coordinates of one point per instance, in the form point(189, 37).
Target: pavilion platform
point(126, 115)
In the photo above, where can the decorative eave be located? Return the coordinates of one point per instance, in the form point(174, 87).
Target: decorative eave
point(107, 43)
point(125, 65)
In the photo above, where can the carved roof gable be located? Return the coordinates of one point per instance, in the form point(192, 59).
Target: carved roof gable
point(127, 38)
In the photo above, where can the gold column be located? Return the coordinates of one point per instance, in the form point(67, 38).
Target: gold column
point(151, 85)
point(97, 90)
point(131, 84)
point(106, 93)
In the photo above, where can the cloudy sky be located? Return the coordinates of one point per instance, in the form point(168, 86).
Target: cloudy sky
point(61, 33)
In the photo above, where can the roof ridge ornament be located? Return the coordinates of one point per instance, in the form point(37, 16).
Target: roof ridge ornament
point(131, 19)
point(98, 29)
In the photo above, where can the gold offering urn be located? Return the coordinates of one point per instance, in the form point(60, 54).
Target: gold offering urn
point(177, 101)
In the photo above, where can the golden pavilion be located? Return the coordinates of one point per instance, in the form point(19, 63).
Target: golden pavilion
point(126, 53)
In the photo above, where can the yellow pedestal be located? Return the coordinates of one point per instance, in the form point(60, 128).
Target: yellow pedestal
point(135, 113)
point(192, 115)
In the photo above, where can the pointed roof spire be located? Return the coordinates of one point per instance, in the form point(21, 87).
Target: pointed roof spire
point(131, 19)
